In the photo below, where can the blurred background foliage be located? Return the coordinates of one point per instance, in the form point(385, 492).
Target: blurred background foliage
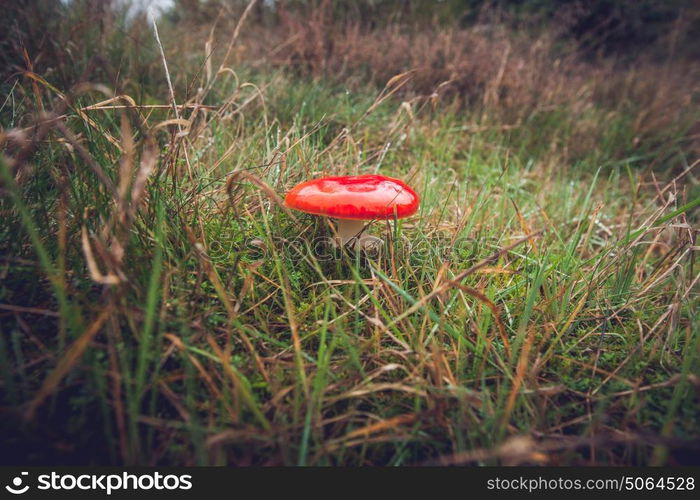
point(510, 61)
point(611, 26)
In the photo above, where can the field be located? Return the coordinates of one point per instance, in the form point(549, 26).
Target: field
point(159, 304)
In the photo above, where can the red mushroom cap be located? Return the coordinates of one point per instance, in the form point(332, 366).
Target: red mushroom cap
point(359, 197)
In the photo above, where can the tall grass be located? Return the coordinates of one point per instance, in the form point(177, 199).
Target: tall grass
point(158, 305)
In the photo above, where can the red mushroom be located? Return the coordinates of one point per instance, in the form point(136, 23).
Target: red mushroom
point(352, 200)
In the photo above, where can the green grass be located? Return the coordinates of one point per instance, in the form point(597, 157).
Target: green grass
point(176, 314)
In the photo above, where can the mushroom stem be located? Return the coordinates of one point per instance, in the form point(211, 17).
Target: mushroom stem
point(346, 230)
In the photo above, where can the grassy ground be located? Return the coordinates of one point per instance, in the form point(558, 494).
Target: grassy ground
point(158, 305)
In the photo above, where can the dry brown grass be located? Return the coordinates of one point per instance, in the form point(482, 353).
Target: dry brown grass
point(507, 75)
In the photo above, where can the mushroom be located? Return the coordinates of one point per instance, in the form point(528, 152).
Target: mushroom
point(352, 200)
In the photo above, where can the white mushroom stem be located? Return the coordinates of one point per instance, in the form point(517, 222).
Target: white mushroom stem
point(349, 229)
